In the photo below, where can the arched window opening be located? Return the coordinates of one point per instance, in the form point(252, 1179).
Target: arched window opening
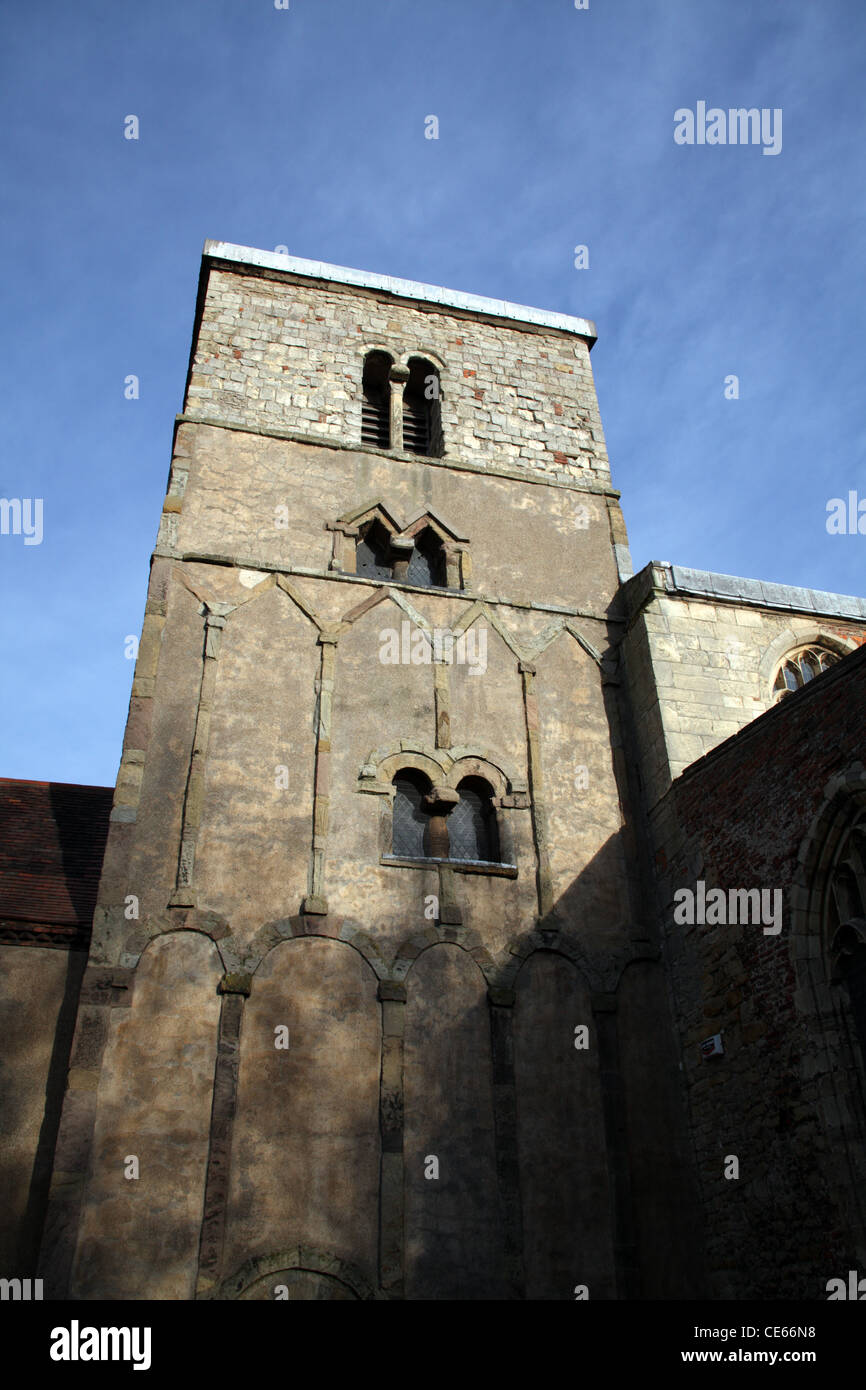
point(410, 832)
point(373, 552)
point(846, 920)
point(422, 431)
point(427, 562)
point(852, 966)
point(376, 403)
point(801, 667)
point(472, 829)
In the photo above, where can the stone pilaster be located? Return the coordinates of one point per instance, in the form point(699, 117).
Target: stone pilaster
point(536, 789)
point(184, 891)
point(234, 989)
point(315, 901)
point(391, 1199)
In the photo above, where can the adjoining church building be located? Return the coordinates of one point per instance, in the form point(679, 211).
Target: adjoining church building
point(476, 918)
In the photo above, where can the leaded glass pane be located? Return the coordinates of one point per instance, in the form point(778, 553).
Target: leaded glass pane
point(410, 819)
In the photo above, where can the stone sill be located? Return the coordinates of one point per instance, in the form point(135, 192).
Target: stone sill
point(460, 866)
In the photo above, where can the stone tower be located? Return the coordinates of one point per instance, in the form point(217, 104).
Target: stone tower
point(373, 1007)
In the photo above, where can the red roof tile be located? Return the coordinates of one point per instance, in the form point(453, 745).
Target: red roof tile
point(52, 840)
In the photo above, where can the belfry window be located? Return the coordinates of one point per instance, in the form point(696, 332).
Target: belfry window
point(801, 667)
point(422, 430)
point(376, 402)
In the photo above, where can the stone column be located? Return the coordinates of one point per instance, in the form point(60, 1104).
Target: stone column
point(453, 565)
point(398, 376)
point(401, 548)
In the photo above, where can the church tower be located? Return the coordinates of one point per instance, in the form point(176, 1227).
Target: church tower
point(373, 1007)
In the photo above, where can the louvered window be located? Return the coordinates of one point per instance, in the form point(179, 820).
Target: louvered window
point(376, 403)
point(472, 833)
point(421, 414)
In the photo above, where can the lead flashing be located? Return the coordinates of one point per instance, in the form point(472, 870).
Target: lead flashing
point(401, 289)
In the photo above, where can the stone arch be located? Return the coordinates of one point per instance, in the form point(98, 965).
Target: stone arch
point(306, 1143)
point(562, 1134)
point(297, 1260)
point(603, 972)
point(424, 352)
point(439, 764)
point(343, 929)
point(454, 1224)
point(843, 798)
point(470, 765)
point(208, 924)
point(139, 1238)
point(833, 1065)
point(788, 641)
point(413, 946)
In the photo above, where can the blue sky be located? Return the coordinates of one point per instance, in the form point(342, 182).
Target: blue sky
point(305, 127)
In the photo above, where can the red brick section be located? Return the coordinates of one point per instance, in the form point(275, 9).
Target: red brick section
point(52, 840)
point(743, 811)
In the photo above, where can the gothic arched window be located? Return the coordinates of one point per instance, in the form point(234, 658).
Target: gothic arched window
point(376, 402)
point(472, 831)
point(800, 667)
point(846, 920)
point(411, 820)
point(422, 428)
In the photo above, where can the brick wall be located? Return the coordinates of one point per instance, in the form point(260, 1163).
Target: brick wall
point(738, 819)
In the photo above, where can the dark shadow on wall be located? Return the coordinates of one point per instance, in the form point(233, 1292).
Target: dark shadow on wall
point(55, 1087)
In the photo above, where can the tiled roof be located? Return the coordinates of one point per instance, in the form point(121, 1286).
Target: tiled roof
point(52, 840)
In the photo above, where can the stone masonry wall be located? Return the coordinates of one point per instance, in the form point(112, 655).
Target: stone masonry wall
point(276, 353)
point(699, 670)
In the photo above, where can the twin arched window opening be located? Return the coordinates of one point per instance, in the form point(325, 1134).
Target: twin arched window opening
point(379, 555)
point(400, 405)
point(441, 823)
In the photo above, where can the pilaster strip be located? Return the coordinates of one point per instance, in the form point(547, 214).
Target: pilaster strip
point(619, 1175)
point(391, 1196)
point(539, 819)
point(505, 1129)
point(315, 901)
point(184, 891)
point(225, 1092)
point(442, 700)
point(103, 989)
